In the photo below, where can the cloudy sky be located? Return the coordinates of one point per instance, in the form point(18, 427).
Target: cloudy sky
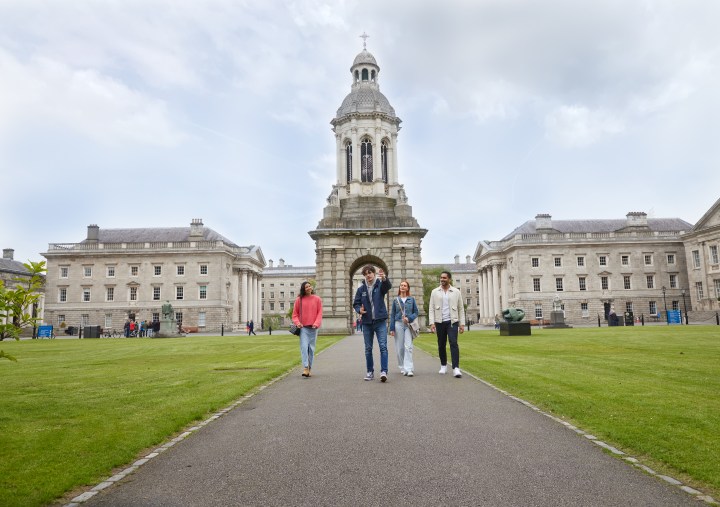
point(151, 113)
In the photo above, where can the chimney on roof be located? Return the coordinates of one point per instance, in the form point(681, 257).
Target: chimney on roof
point(93, 234)
point(8, 253)
point(543, 221)
point(637, 219)
point(467, 259)
point(457, 259)
point(196, 228)
point(270, 263)
point(281, 263)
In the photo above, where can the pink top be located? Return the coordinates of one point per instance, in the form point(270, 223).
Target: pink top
point(311, 311)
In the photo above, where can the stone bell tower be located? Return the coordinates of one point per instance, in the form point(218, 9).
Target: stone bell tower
point(367, 219)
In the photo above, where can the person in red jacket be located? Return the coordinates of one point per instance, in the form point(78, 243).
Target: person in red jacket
point(307, 315)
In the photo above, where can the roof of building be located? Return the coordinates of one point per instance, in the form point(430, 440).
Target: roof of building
point(155, 234)
point(365, 98)
point(463, 267)
point(12, 266)
point(598, 226)
point(288, 271)
point(364, 57)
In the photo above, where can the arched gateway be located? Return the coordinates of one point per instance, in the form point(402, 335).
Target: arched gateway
point(367, 219)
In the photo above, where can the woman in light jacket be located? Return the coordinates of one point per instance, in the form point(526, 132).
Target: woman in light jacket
point(404, 311)
point(307, 315)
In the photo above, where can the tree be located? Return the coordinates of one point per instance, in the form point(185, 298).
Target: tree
point(17, 303)
point(431, 280)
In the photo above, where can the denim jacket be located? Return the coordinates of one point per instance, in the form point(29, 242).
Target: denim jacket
point(362, 298)
point(411, 311)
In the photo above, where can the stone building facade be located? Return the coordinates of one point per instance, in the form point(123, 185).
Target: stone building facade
point(702, 250)
point(118, 273)
point(592, 266)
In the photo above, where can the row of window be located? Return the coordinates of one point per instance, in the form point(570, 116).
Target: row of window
point(132, 294)
point(629, 307)
point(366, 160)
point(602, 260)
point(605, 283)
point(134, 270)
point(85, 319)
point(714, 256)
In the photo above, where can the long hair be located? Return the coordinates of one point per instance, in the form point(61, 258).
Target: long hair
point(302, 289)
point(408, 284)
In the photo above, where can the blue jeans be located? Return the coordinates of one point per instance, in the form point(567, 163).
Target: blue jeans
point(308, 338)
point(379, 328)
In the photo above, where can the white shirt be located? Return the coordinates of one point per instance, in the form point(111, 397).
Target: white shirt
point(445, 306)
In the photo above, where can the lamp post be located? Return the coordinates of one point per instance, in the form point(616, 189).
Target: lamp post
point(667, 318)
point(685, 307)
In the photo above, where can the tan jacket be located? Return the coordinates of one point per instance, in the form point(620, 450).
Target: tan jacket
point(457, 309)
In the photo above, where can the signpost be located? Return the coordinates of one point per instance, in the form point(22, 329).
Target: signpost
point(45, 332)
point(674, 317)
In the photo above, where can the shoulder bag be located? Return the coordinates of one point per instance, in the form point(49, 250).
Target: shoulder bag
point(293, 328)
point(413, 326)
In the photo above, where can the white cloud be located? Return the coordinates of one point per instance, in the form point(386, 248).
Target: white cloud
point(578, 126)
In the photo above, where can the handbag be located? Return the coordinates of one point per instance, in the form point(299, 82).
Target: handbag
point(294, 329)
point(413, 326)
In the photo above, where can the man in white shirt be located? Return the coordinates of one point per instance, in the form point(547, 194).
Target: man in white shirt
point(447, 316)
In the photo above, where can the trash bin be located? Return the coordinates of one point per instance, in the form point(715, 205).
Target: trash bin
point(629, 319)
point(91, 332)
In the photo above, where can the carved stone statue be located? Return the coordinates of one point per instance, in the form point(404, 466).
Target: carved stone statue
point(557, 304)
point(167, 311)
point(513, 315)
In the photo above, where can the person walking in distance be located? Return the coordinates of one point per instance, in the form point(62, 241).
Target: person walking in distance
point(403, 311)
point(369, 302)
point(447, 315)
point(307, 315)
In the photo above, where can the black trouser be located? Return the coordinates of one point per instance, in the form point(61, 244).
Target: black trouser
point(446, 331)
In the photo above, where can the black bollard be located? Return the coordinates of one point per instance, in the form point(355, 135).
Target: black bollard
point(79, 332)
point(599, 320)
point(717, 318)
point(642, 318)
point(270, 329)
point(222, 329)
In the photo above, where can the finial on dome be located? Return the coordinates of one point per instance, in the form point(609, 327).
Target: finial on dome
point(364, 37)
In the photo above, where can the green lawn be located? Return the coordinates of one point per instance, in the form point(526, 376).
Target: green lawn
point(653, 392)
point(72, 410)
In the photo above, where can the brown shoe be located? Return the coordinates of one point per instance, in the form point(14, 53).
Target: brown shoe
point(306, 372)
point(309, 374)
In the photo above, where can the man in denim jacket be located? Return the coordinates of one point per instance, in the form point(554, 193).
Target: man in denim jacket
point(369, 302)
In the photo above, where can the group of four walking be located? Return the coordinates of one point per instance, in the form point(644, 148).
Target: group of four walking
point(446, 316)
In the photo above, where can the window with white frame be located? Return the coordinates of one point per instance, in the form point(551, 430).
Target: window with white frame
point(156, 293)
point(648, 260)
point(62, 295)
point(535, 262)
point(179, 317)
point(625, 260)
point(717, 288)
point(713, 254)
point(156, 317)
point(652, 306)
point(157, 270)
point(108, 320)
point(626, 282)
point(134, 270)
point(282, 306)
point(676, 305)
point(203, 292)
point(602, 260)
point(650, 281)
point(64, 271)
point(628, 306)
point(85, 319)
point(86, 295)
point(584, 310)
point(538, 311)
point(203, 269)
point(604, 283)
point(467, 301)
point(699, 290)
point(272, 306)
point(60, 319)
point(582, 283)
point(272, 295)
point(282, 295)
point(110, 294)
point(671, 258)
point(581, 262)
point(133, 293)
point(179, 292)
point(696, 258)
point(111, 271)
point(87, 271)
point(292, 294)
point(559, 284)
point(180, 270)
point(673, 282)
point(558, 262)
point(536, 284)
point(201, 319)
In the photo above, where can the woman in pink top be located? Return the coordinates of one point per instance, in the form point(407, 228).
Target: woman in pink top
point(307, 315)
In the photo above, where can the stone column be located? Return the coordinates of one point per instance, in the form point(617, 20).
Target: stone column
point(340, 159)
point(481, 294)
point(392, 161)
point(258, 298)
point(486, 296)
point(496, 290)
point(377, 172)
point(491, 291)
point(505, 285)
point(355, 156)
point(244, 298)
point(234, 297)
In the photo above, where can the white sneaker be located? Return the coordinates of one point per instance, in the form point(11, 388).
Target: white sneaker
point(410, 374)
point(443, 369)
point(456, 372)
point(402, 370)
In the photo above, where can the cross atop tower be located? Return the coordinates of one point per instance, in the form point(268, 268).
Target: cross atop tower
point(364, 37)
